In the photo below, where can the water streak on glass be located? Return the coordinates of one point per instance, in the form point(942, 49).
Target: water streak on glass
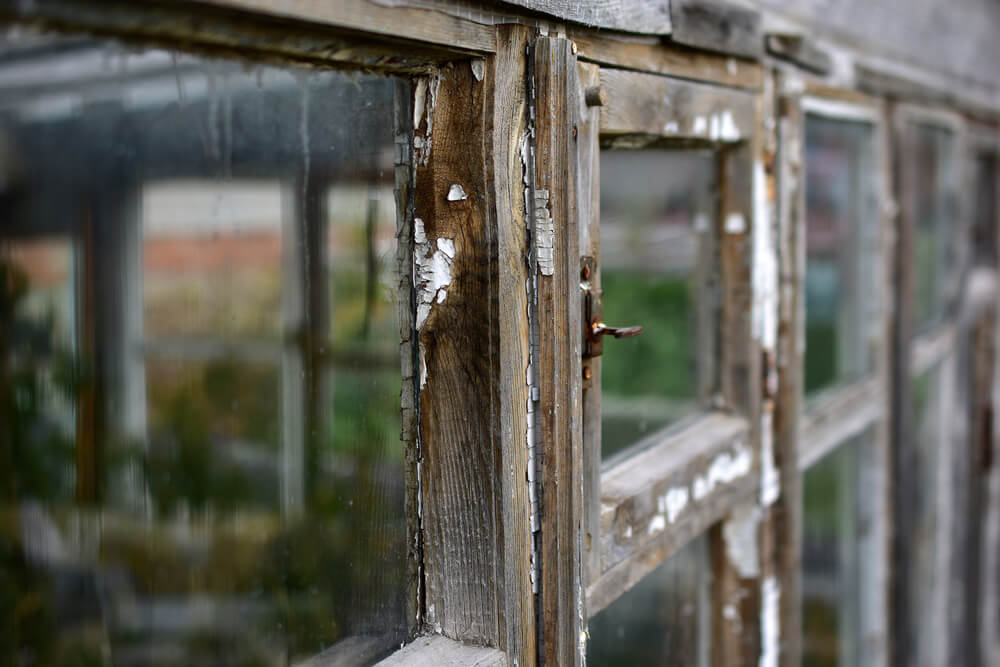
point(833, 523)
point(657, 224)
point(200, 379)
point(665, 619)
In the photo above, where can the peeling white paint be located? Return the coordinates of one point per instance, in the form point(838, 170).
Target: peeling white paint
point(457, 193)
point(770, 482)
point(670, 128)
point(725, 468)
point(700, 125)
point(656, 525)
point(739, 533)
point(765, 265)
point(769, 628)
point(423, 365)
point(673, 502)
point(478, 68)
point(735, 223)
point(727, 127)
point(419, 101)
point(732, 66)
point(628, 532)
point(433, 270)
point(729, 613)
point(424, 100)
point(545, 234)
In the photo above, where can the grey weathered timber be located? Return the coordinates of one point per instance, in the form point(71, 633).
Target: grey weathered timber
point(438, 651)
point(647, 54)
point(471, 330)
point(638, 16)
point(781, 154)
point(799, 50)
point(717, 25)
point(644, 108)
point(837, 417)
point(927, 350)
point(673, 489)
point(560, 436)
point(314, 32)
point(738, 615)
point(588, 163)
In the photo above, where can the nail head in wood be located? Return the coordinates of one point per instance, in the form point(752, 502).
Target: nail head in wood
point(595, 96)
point(573, 48)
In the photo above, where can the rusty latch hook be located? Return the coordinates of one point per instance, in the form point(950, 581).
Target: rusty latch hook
point(598, 329)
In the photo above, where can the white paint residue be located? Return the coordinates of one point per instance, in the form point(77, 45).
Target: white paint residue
point(423, 366)
point(670, 128)
point(419, 102)
point(769, 630)
point(628, 532)
point(770, 483)
point(700, 125)
point(424, 99)
point(433, 270)
point(456, 193)
point(478, 68)
point(729, 613)
point(714, 125)
point(765, 265)
point(545, 234)
point(727, 127)
point(657, 525)
point(735, 223)
point(732, 67)
point(673, 502)
point(740, 536)
point(725, 468)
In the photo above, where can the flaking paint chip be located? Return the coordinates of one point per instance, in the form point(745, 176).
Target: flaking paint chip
point(456, 193)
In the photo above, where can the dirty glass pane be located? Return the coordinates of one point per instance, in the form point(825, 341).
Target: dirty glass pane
point(841, 237)
point(833, 520)
point(984, 232)
point(664, 620)
point(931, 159)
point(199, 361)
point(657, 224)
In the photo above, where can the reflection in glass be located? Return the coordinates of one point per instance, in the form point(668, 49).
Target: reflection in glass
point(931, 157)
point(841, 237)
point(664, 620)
point(832, 524)
point(657, 225)
point(199, 361)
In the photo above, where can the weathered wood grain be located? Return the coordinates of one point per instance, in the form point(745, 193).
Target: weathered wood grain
point(560, 451)
point(471, 330)
point(652, 106)
point(645, 54)
point(438, 651)
point(330, 35)
point(716, 25)
point(639, 16)
point(588, 163)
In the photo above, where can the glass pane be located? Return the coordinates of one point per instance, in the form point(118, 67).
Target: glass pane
point(657, 224)
point(841, 237)
point(984, 231)
point(931, 158)
point(833, 527)
point(198, 322)
point(664, 620)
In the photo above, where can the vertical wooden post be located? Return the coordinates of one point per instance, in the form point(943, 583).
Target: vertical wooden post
point(555, 236)
point(471, 331)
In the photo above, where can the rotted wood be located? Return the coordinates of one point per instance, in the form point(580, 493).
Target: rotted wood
point(647, 54)
point(717, 25)
point(560, 450)
point(471, 331)
point(678, 485)
point(647, 108)
point(588, 194)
